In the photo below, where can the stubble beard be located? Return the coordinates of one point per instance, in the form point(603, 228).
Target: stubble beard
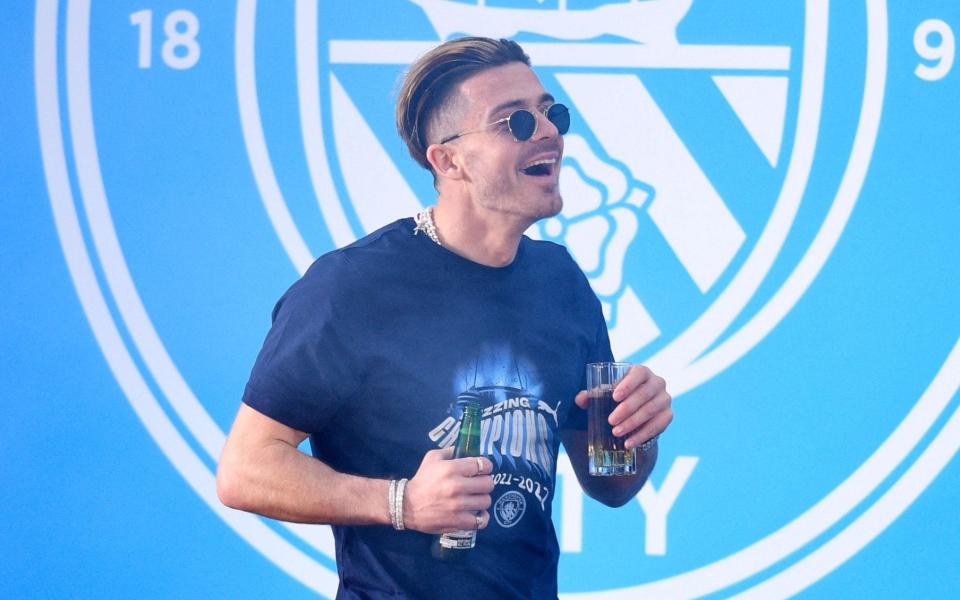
point(499, 195)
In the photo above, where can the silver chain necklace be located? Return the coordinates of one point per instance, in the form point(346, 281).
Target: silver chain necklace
point(424, 221)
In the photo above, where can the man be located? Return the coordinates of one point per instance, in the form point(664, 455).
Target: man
point(370, 350)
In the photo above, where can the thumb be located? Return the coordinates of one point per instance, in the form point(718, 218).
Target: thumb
point(582, 399)
point(438, 454)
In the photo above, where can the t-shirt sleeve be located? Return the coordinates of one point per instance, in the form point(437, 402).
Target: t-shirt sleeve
point(306, 368)
point(599, 351)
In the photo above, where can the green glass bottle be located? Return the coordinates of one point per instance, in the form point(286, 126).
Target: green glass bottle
point(451, 546)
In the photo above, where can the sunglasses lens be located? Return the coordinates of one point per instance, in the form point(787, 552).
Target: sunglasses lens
point(559, 115)
point(522, 123)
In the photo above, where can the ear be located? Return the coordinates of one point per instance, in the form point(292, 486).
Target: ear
point(445, 161)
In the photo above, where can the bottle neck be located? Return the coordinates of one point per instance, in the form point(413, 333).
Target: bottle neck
point(468, 442)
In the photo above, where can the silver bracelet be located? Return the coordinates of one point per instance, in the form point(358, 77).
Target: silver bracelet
point(648, 444)
point(401, 487)
point(392, 502)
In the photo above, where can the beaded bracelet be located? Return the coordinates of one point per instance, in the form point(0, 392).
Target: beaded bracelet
point(392, 502)
point(395, 502)
point(648, 444)
point(398, 521)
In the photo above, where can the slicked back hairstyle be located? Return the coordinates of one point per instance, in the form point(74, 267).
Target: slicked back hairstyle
point(430, 81)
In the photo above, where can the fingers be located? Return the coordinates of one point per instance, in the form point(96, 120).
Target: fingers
point(473, 466)
point(482, 484)
point(635, 377)
point(475, 475)
point(483, 519)
point(474, 503)
point(633, 394)
point(467, 467)
point(471, 475)
point(446, 494)
point(651, 428)
point(471, 520)
point(463, 479)
point(582, 399)
point(645, 412)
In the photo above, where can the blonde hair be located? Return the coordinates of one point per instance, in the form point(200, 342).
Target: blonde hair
point(429, 83)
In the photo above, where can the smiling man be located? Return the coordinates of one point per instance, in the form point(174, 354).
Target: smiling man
point(370, 350)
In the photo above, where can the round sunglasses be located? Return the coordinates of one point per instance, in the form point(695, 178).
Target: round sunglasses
point(523, 123)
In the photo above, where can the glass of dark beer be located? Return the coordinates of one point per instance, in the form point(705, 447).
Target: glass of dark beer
point(608, 454)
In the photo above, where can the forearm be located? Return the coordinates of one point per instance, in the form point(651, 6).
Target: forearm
point(615, 490)
point(273, 478)
point(262, 471)
point(282, 483)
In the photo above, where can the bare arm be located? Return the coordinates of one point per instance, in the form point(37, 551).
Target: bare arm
point(612, 491)
point(262, 471)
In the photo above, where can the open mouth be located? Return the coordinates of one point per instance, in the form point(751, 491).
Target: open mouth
point(540, 168)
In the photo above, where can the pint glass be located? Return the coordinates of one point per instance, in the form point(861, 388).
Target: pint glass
point(608, 454)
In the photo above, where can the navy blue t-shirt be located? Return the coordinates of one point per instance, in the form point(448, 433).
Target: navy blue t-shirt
point(369, 352)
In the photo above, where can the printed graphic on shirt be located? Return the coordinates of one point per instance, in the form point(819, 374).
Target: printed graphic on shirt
point(518, 428)
point(509, 508)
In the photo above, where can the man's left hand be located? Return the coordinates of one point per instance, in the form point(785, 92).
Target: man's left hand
point(644, 408)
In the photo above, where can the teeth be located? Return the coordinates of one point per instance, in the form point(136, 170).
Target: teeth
point(544, 161)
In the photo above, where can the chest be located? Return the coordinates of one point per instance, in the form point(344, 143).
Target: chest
point(519, 353)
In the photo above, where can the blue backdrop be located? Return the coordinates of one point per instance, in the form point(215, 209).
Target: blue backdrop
point(763, 195)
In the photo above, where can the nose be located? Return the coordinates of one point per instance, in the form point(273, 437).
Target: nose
point(545, 127)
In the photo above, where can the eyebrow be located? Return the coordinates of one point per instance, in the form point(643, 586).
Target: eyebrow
point(520, 104)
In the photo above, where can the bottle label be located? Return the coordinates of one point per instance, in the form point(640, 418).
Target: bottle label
point(459, 540)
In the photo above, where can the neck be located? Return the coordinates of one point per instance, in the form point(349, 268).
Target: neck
point(485, 237)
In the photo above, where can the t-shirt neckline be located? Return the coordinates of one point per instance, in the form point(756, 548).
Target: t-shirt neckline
point(448, 255)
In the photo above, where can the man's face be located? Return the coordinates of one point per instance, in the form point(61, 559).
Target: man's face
point(500, 173)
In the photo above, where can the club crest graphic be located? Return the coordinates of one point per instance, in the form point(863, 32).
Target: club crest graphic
point(509, 508)
point(693, 226)
point(709, 173)
point(645, 22)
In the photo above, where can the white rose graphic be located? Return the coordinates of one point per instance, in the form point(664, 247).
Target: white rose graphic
point(601, 211)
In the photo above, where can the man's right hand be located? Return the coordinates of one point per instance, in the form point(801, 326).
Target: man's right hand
point(262, 471)
point(448, 494)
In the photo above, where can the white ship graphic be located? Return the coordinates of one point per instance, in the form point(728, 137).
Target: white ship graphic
point(652, 22)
